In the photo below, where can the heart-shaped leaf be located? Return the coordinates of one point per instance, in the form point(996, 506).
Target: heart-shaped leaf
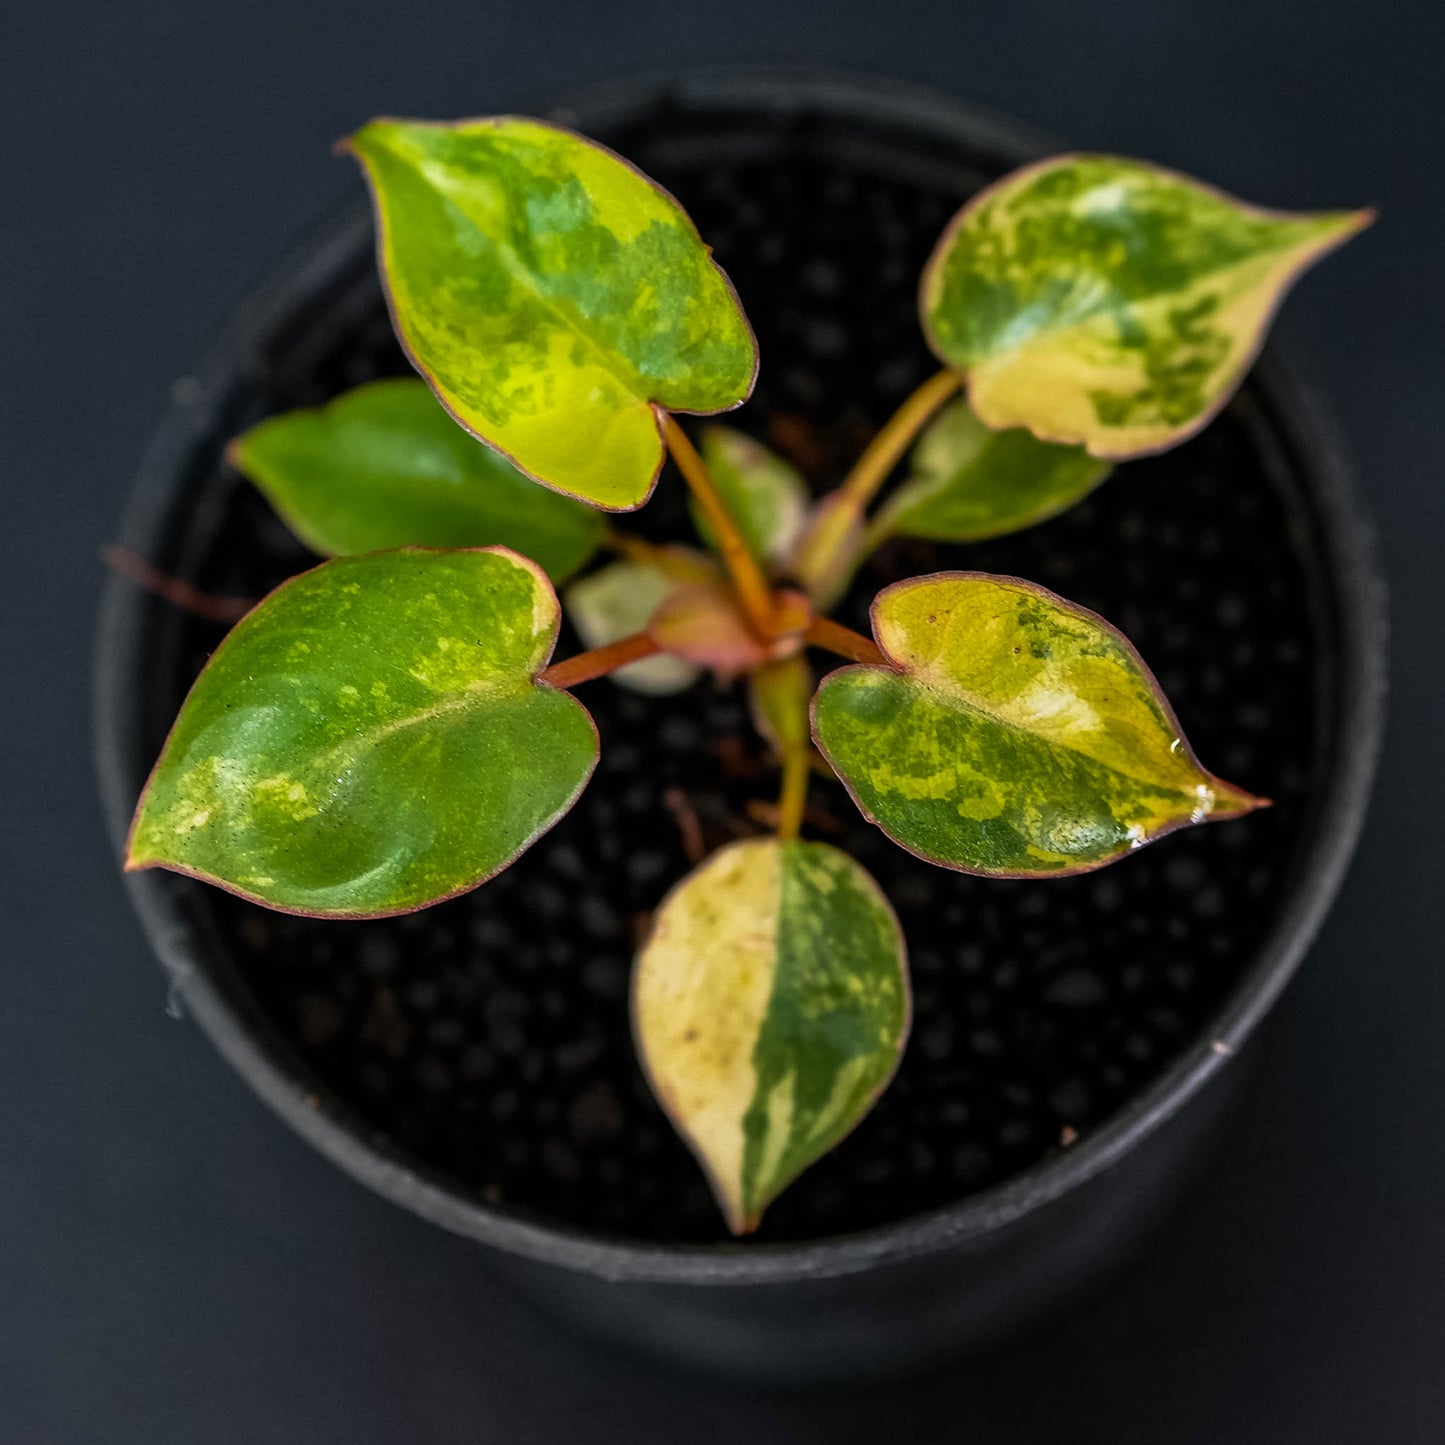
point(1110, 303)
point(384, 466)
point(1014, 734)
point(766, 496)
point(968, 482)
point(551, 294)
point(371, 738)
point(770, 1007)
point(620, 599)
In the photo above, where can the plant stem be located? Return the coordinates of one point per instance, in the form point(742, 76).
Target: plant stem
point(779, 693)
point(599, 661)
point(896, 435)
point(754, 593)
point(793, 798)
point(174, 590)
point(834, 543)
point(834, 637)
point(875, 534)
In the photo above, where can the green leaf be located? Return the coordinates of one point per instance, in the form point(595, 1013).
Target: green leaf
point(1110, 303)
point(770, 1007)
point(620, 599)
point(384, 466)
point(551, 294)
point(968, 482)
point(765, 495)
point(371, 738)
point(1015, 734)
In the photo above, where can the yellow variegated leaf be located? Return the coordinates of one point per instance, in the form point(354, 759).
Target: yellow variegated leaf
point(1013, 733)
point(552, 296)
point(770, 1007)
point(1111, 303)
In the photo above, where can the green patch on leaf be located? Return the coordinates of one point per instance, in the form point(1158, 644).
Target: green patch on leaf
point(551, 294)
point(968, 482)
point(371, 738)
point(765, 495)
point(384, 466)
point(770, 1006)
point(1109, 303)
point(1014, 734)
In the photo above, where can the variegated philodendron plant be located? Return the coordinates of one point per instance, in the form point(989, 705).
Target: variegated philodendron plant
point(388, 730)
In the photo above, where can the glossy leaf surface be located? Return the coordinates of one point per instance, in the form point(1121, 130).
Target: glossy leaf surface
point(765, 495)
point(550, 294)
point(620, 599)
point(770, 1005)
point(1109, 303)
point(1015, 734)
point(968, 482)
point(371, 739)
point(384, 466)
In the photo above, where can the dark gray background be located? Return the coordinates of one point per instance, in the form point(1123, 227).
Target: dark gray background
point(174, 1265)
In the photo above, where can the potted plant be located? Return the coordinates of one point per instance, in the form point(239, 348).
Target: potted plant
point(389, 730)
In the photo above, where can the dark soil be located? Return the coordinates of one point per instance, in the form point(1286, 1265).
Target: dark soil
point(489, 1037)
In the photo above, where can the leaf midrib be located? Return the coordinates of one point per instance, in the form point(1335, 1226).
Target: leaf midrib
point(471, 698)
point(968, 701)
point(518, 271)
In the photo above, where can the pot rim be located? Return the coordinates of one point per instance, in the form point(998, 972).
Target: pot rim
point(257, 1053)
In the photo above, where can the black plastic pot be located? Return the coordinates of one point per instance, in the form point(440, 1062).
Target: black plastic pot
point(892, 1296)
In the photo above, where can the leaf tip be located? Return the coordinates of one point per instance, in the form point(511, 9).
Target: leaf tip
point(1228, 801)
point(1351, 223)
point(234, 452)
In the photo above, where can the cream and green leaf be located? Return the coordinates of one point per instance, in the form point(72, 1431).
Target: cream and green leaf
point(765, 495)
point(770, 1008)
point(371, 738)
point(552, 295)
point(967, 482)
point(1014, 734)
point(1109, 303)
point(384, 466)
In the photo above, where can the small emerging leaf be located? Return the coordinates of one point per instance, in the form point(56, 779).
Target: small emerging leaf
point(371, 738)
point(704, 626)
point(766, 496)
point(1110, 303)
point(968, 482)
point(384, 466)
point(778, 697)
point(551, 294)
point(619, 600)
point(1015, 734)
point(770, 1007)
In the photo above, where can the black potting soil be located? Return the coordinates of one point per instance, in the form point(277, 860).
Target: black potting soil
point(489, 1037)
